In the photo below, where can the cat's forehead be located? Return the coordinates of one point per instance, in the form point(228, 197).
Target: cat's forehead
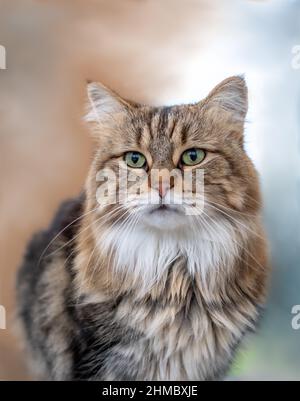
point(121, 125)
point(160, 129)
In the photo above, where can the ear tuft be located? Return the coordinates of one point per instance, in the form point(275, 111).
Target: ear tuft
point(231, 95)
point(103, 103)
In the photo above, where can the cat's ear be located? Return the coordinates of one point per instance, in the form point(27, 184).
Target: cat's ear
point(230, 95)
point(103, 103)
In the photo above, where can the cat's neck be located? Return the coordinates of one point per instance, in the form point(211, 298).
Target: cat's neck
point(146, 261)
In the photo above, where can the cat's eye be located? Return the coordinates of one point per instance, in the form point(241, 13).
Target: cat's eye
point(192, 157)
point(135, 159)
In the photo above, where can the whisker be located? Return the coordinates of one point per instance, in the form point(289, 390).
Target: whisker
point(61, 231)
point(95, 247)
point(77, 235)
point(237, 221)
point(242, 247)
point(109, 215)
point(230, 209)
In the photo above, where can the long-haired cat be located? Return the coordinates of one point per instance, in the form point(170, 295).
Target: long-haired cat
point(151, 276)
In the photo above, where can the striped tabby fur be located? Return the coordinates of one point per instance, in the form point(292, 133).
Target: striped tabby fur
point(107, 293)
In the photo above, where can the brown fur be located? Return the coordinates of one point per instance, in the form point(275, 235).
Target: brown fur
point(183, 326)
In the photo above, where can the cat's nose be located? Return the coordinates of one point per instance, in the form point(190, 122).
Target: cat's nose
point(163, 188)
point(161, 181)
point(164, 185)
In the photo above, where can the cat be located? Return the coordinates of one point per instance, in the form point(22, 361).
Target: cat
point(124, 287)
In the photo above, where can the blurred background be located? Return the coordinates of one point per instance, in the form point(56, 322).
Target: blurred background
point(157, 52)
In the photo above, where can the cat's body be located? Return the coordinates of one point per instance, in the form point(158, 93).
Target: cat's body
point(168, 298)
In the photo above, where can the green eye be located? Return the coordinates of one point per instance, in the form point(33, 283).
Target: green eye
point(135, 159)
point(191, 157)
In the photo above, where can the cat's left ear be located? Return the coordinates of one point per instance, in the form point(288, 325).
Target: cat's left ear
point(103, 103)
point(230, 95)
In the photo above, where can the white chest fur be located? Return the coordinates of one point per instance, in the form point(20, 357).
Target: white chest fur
point(147, 253)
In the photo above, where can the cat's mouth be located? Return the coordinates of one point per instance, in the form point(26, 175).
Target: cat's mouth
point(164, 209)
point(164, 216)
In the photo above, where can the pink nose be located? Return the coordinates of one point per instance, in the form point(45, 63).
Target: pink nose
point(162, 189)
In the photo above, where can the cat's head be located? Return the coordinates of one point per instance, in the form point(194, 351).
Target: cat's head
point(165, 168)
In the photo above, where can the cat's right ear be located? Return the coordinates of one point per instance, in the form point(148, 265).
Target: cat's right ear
point(230, 95)
point(103, 104)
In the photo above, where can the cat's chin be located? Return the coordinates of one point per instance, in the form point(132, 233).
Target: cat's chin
point(164, 218)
